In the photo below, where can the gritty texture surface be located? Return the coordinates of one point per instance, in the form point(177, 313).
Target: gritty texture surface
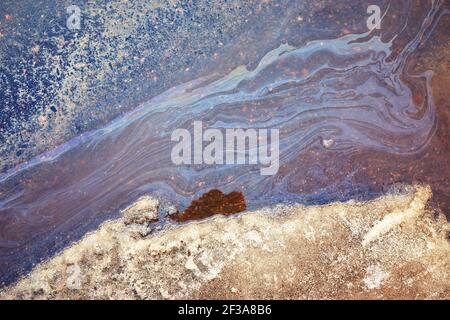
point(144, 210)
point(391, 247)
point(57, 83)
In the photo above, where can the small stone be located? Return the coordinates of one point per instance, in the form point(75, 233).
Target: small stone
point(190, 264)
point(79, 65)
point(35, 49)
point(327, 143)
point(144, 210)
point(139, 230)
point(171, 210)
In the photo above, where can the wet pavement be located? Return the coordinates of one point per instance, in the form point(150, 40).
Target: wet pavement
point(87, 118)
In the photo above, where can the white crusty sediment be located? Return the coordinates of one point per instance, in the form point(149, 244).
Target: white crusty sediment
point(393, 247)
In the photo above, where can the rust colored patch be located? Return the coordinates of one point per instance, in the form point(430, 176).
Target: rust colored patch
point(211, 203)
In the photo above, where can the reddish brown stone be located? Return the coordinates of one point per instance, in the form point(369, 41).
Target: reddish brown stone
point(211, 203)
